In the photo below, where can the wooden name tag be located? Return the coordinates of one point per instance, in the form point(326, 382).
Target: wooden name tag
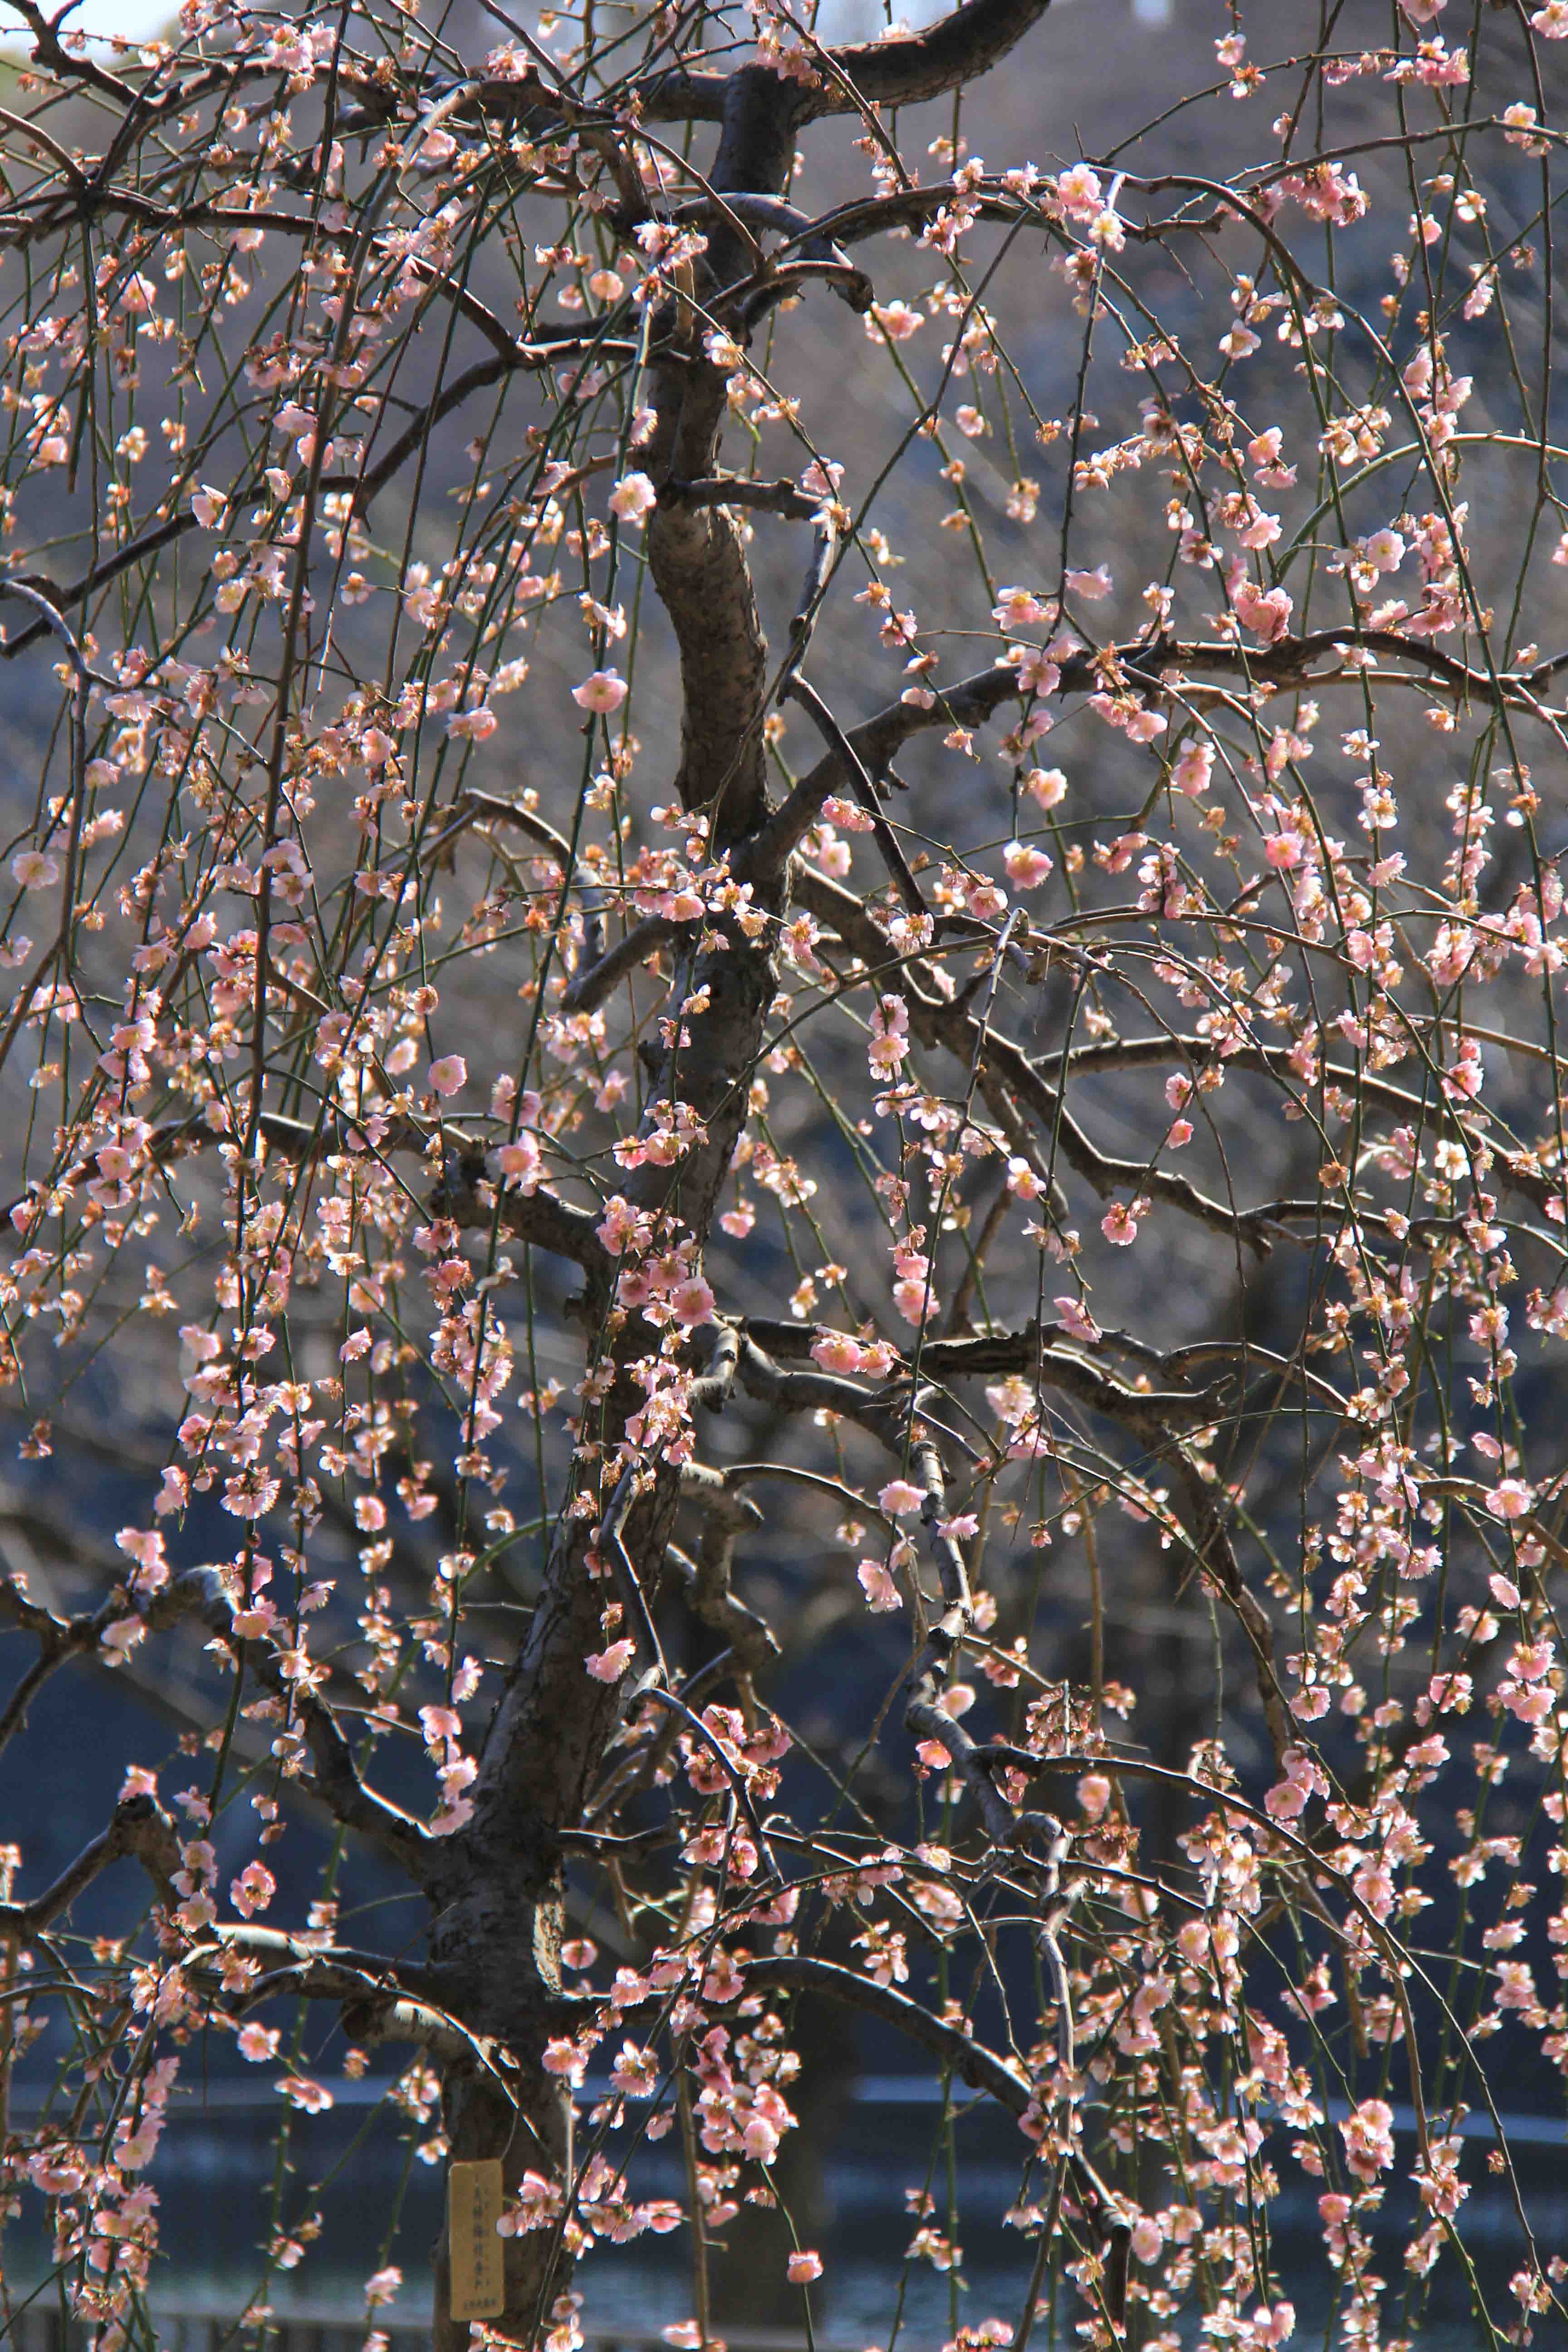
point(474, 2199)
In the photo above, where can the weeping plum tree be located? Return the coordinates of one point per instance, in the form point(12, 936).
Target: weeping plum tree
point(671, 1234)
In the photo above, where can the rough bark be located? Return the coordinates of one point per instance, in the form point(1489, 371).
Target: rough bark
point(497, 1933)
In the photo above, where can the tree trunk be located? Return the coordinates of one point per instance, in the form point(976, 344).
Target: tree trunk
point(533, 2136)
point(496, 1934)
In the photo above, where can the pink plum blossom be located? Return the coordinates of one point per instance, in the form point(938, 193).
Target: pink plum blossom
point(601, 691)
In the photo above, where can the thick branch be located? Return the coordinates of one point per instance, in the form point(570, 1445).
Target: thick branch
point(673, 97)
point(955, 2051)
point(598, 980)
point(883, 1417)
point(469, 1196)
point(873, 744)
point(698, 560)
point(937, 1022)
point(487, 808)
point(710, 1578)
point(919, 66)
point(521, 358)
point(1543, 1191)
point(140, 1828)
point(76, 592)
point(1289, 661)
point(780, 498)
point(464, 1194)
